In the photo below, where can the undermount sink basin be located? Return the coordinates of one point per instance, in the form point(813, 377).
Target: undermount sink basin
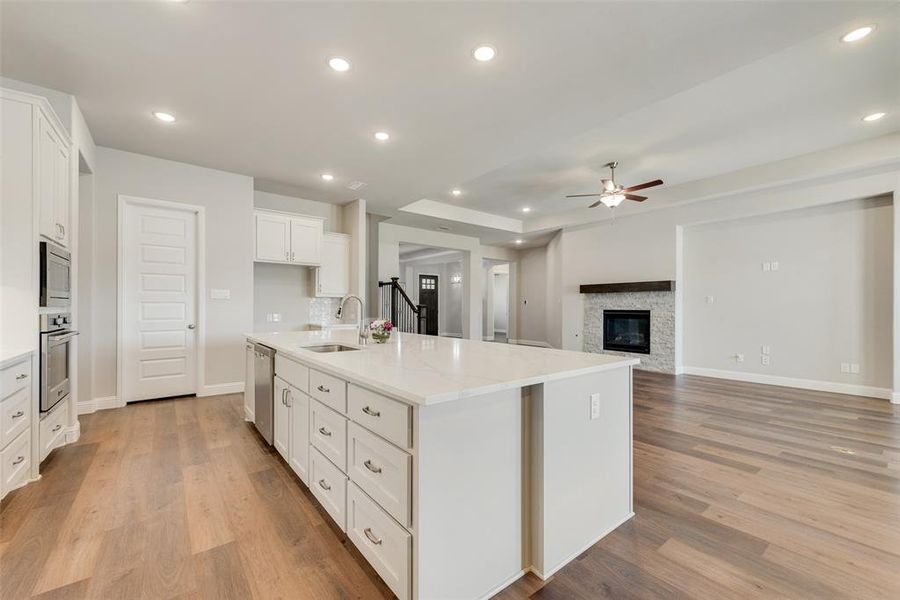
point(330, 348)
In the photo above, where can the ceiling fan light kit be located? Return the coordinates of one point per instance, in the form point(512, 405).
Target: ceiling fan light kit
point(612, 194)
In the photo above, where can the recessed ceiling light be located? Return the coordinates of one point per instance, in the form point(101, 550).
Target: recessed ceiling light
point(456, 192)
point(858, 34)
point(484, 53)
point(327, 176)
point(164, 117)
point(526, 209)
point(382, 136)
point(339, 64)
point(518, 241)
point(873, 117)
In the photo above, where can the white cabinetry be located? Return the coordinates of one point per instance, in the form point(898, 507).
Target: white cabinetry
point(333, 277)
point(53, 182)
point(17, 413)
point(281, 438)
point(289, 239)
point(291, 431)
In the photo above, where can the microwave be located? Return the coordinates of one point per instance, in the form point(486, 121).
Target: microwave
point(56, 275)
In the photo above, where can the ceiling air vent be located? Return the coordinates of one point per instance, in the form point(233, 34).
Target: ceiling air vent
point(356, 185)
point(442, 228)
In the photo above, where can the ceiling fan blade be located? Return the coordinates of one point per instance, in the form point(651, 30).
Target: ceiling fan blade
point(583, 195)
point(635, 197)
point(596, 204)
point(643, 186)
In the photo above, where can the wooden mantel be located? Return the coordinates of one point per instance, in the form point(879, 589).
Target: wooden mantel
point(628, 286)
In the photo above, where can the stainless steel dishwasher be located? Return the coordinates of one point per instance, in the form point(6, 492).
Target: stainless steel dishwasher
point(263, 393)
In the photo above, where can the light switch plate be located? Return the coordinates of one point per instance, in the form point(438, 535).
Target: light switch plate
point(764, 359)
point(219, 294)
point(854, 368)
point(595, 406)
point(845, 367)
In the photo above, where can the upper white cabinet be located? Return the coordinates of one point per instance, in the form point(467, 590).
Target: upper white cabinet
point(53, 182)
point(333, 277)
point(292, 239)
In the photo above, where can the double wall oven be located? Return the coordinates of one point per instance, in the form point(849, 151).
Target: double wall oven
point(56, 349)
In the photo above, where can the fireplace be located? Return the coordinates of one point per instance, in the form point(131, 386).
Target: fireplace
point(626, 330)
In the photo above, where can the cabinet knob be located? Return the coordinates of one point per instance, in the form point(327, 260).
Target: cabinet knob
point(191, 326)
point(21, 376)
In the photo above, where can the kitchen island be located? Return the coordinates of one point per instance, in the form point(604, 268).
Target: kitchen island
point(455, 466)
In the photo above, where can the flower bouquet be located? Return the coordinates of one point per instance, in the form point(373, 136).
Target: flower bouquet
point(381, 330)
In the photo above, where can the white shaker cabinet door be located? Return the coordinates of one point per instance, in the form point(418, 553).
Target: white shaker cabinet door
point(306, 240)
point(299, 456)
point(282, 431)
point(273, 238)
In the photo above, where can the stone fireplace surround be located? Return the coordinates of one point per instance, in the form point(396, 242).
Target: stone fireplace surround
point(657, 297)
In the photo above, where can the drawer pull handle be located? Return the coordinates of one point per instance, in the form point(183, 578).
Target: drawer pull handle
point(18, 413)
point(21, 376)
point(324, 485)
point(324, 389)
point(370, 412)
point(58, 427)
point(18, 460)
point(372, 467)
point(371, 536)
point(324, 432)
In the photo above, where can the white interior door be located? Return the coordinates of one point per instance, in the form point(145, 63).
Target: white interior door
point(159, 304)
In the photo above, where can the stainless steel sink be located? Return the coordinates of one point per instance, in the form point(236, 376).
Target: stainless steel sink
point(330, 348)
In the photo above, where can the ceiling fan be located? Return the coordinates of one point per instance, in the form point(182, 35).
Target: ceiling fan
point(613, 194)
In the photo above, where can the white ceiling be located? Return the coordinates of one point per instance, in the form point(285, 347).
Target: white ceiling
point(676, 90)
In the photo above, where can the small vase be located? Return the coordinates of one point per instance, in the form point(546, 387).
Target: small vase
point(381, 338)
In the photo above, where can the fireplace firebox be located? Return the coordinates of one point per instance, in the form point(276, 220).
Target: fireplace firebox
point(626, 331)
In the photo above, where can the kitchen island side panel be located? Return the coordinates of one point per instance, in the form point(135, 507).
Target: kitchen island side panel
point(582, 465)
point(468, 491)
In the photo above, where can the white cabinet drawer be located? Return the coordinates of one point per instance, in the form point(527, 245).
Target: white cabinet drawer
point(53, 428)
point(15, 415)
point(386, 545)
point(15, 377)
point(382, 470)
point(388, 418)
point(293, 372)
point(328, 433)
point(329, 486)
point(15, 463)
point(331, 391)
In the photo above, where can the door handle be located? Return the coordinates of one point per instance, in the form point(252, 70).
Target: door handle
point(191, 326)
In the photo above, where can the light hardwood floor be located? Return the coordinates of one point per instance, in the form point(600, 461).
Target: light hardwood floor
point(742, 491)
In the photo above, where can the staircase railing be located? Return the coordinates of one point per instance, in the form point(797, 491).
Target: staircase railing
point(396, 305)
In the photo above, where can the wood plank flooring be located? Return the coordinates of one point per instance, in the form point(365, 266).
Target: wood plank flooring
point(741, 491)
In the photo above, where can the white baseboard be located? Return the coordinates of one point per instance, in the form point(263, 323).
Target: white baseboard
point(248, 415)
point(504, 585)
point(895, 398)
point(86, 407)
point(531, 343)
point(804, 384)
point(547, 574)
point(73, 432)
point(679, 370)
point(503, 331)
point(217, 389)
point(487, 338)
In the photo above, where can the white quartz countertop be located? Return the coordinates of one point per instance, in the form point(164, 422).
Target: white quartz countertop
point(13, 354)
point(421, 369)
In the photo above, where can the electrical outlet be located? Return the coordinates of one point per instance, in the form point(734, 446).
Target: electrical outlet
point(710, 299)
point(217, 294)
point(774, 265)
point(276, 317)
point(854, 368)
point(739, 357)
point(765, 350)
point(764, 360)
point(767, 266)
point(595, 406)
point(845, 367)
point(269, 317)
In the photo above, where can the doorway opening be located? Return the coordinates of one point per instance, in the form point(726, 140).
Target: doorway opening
point(497, 309)
point(433, 277)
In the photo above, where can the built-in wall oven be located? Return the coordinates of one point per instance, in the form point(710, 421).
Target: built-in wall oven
point(56, 275)
point(56, 350)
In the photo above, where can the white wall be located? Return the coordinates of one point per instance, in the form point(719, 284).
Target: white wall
point(228, 200)
point(532, 296)
point(332, 213)
point(554, 290)
point(828, 303)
